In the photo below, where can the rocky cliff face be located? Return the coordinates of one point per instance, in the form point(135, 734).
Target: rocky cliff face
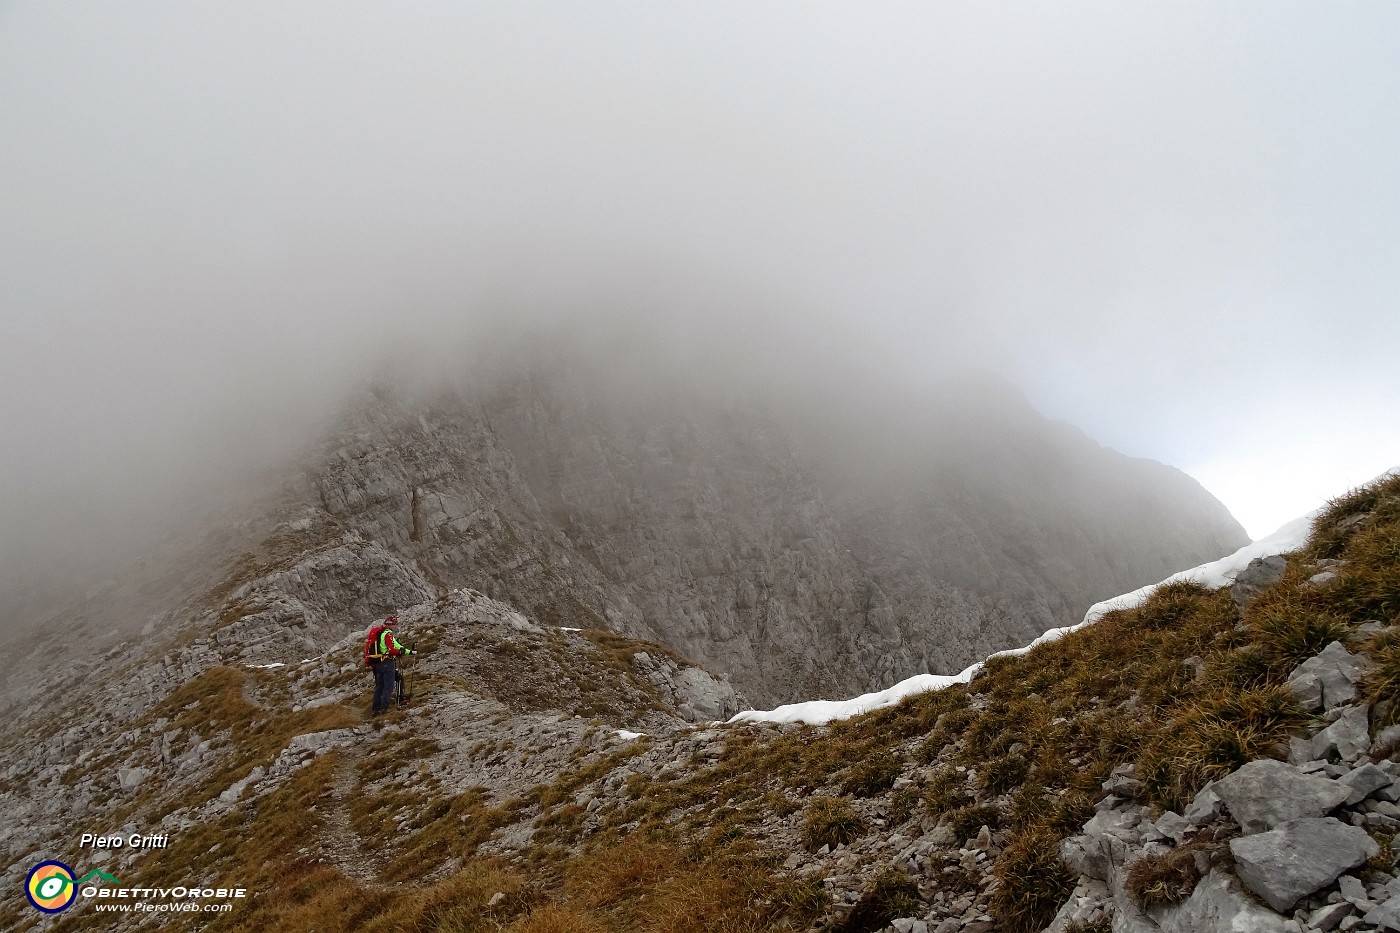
point(800, 561)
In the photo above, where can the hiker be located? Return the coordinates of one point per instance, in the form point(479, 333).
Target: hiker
point(381, 648)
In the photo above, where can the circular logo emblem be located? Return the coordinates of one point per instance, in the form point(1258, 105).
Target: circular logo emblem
point(50, 887)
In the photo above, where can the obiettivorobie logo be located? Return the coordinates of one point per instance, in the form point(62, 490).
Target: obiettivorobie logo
point(51, 887)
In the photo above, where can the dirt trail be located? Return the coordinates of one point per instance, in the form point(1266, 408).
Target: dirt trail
point(339, 841)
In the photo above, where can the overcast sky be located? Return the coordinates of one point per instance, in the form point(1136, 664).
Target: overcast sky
point(1174, 225)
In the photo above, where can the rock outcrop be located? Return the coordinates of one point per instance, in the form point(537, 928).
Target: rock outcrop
point(1293, 831)
point(802, 562)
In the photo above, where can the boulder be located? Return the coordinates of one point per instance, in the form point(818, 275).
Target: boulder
point(235, 790)
point(1338, 670)
point(1085, 905)
point(1262, 573)
point(129, 779)
point(1387, 915)
point(1096, 855)
point(1173, 826)
point(1364, 782)
point(1326, 919)
point(1205, 807)
point(1287, 864)
point(318, 742)
point(1354, 892)
point(1348, 738)
point(1307, 690)
point(1217, 905)
point(1122, 783)
point(705, 696)
point(1265, 793)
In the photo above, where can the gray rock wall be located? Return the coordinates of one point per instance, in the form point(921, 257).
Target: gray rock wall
point(746, 542)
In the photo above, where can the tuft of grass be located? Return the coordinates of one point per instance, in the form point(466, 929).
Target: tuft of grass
point(1290, 632)
point(1369, 585)
point(944, 792)
point(1032, 881)
point(1165, 878)
point(968, 821)
point(1214, 736)
point(1385, 858)
point(1382, 683)
point(1003, 774)
point(1335, 527)
point(1029, 806)
point(874, 775)
point(903, 803)
point(646, 887)
point(551, 918)
point(1243, 668)
point(1172, 604)
point(830, 821)
point(891, 894)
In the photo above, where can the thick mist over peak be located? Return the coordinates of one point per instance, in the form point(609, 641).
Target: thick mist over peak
point(106, 475)
point(1166, 225)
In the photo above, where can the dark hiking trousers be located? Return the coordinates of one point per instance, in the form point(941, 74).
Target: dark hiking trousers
point(383, 684)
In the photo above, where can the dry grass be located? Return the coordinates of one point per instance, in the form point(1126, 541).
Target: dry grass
point(1033, 881)
point(215, 702)
point(646, 887)
point(830, 821)
point(1167, 878)
point(551, 918)
point(873, 776)
point(1215, 735)
point(891, 894)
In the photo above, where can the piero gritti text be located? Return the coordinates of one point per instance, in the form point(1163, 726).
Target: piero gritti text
point(133, 841)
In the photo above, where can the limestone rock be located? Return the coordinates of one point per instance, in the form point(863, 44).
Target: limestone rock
point(1122, 783)
point(129, 779)
point(1386, 915)
point(1262, 794)
point(1307, 689)
point(1326, 919)
point(1365, 781)
point(1354, 892)
point(706, 695)
point(1206, 806)
point(1299, 857)
point(1337, 670)
point(719, 531)
point(1262, 573)
point(1348, 738)
point(1217, 905)
point(1173, 825)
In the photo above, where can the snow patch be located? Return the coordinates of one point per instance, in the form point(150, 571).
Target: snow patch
point(818, 712)
point(1216, 573)
point(1220, 572)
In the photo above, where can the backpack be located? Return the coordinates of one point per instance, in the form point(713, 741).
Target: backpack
point(372, 642)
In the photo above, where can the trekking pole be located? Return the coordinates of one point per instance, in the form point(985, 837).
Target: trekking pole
point(401, 680)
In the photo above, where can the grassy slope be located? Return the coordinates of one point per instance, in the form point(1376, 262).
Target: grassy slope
point(1034, 736)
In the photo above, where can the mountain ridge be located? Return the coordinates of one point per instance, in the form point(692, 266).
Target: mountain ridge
point(803, 552)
